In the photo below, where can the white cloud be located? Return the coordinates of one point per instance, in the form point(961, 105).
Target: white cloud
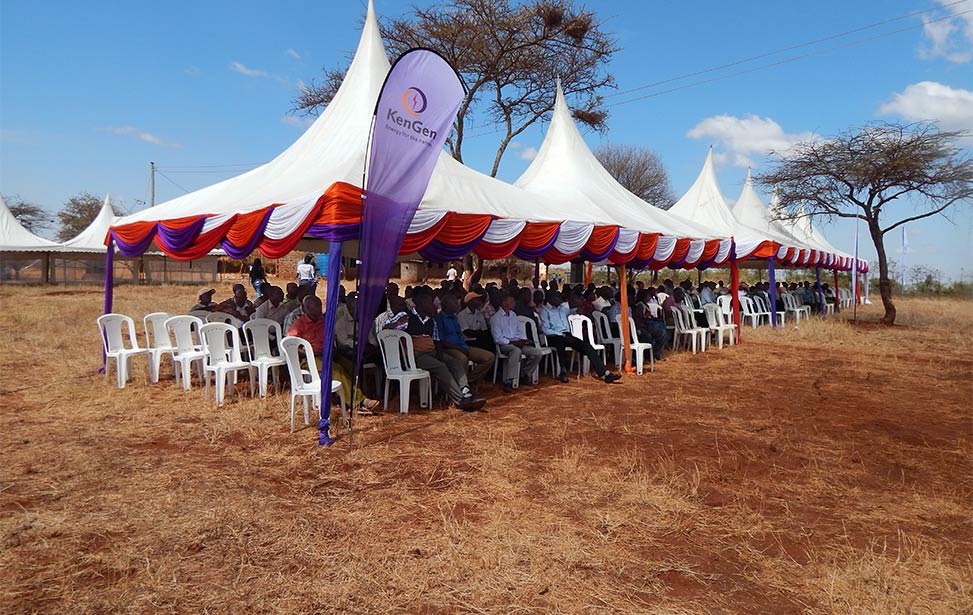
point(193, 71)
point(249, 72)
point(951, 39)
point(296, 122)
point(293, 54)
point(745, 137)
point(140, 135)
point(527, 153)
point(951, 107)
point(301, 86)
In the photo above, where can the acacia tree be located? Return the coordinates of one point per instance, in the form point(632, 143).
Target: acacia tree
point(78, 213)
point(30, 215)
point(885, 174)
point(509, 54)
point(640, 170)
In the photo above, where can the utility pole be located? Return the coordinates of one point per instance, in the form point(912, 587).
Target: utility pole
point(151, 184)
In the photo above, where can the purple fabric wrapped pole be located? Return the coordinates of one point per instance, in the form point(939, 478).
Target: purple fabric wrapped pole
point(413, 117)
point(330, 314)
point(109, 292)
point(817, 277)
point(773, 292)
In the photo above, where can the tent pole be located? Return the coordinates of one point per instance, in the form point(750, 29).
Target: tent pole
point(109, 291)
point(47, 267)
point(327, 349)
point(817, 277)
point(735, 289)
point(837, 304)
point(773, 292)
point(623, 326)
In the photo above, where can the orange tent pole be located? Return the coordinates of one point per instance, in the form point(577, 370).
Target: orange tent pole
point(623, 326)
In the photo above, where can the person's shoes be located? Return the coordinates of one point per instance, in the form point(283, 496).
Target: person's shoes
point(470, 404)
point(525, 381)
point(611, 377)
point(563, 377)
point(508, 387)
point(369, 406)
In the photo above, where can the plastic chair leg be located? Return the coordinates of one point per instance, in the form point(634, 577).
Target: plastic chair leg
point(405, 388)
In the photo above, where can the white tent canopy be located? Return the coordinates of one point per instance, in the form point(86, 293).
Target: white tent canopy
point(92, 238)
point(566, 170)
point(705, 204)
point(751, 211)
point(15, 238)
point(333, 149)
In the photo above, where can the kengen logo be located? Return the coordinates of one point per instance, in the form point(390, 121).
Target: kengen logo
point(414, 101)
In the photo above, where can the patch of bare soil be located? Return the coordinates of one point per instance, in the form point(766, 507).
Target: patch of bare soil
point(822, 469)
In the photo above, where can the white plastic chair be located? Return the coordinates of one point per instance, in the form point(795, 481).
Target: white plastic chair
point(306, 383)
point(603, 335)
point(582, 328)
point(686, 327)
point(258, 333)
point(114, 344)
point(726, 305)
point(791, 305)
point(747, 310)
point(637, 348)
point(719, 327)
point(547, 354)
point(183, 332)
point(400, 365)
point(763, 307)
point(496, 364)
point(157, 341)
point(222, 345)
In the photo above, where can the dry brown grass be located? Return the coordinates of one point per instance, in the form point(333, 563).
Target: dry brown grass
point(820, 470)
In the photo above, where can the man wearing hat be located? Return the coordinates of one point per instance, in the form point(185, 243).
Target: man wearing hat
point(474, 323)
point(205, 300)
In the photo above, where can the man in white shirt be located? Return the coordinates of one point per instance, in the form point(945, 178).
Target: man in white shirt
point(509, 334)
point(274, 308)
point(474, 323)
point(555, 326)
point(451, 273)
point(603, 301)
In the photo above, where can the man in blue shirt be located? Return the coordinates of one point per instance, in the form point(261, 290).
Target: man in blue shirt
point(452, 341)
point(554, 324)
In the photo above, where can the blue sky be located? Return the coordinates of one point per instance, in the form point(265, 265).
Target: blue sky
point(91, 92)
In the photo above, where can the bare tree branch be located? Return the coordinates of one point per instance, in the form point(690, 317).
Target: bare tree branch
point(865, 172)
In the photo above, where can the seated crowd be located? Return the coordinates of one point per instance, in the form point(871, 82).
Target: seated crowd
point(458, 329)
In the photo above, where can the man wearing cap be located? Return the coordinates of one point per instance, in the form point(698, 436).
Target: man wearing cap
point(474, 323)
point(205, 300)
point(554, 324)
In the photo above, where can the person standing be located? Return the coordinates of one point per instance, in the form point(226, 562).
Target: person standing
point(307, 274)
point(451, 274)
point(258, 277)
